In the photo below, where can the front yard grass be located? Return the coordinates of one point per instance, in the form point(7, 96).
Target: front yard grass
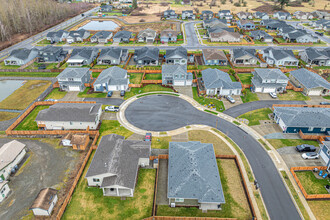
point(29, 124)
point(113, 127)
point(279, 143)
point(311, 184)
point(320, 208)
point(89, 202)
point(91, 95)
point(56, 94)
point(206, 101)
point(256, 115)
point(153, 77)
point(161, 142)
point(249, 96)
point(135, 78)
point(145, 89)
point(4, 116)
point(23, 96)
point(292, 95)
point(245, 78)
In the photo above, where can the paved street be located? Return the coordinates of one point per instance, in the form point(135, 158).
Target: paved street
point(191, 37)
point(163, 113)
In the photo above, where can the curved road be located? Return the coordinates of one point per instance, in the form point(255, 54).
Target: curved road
point(163, 113)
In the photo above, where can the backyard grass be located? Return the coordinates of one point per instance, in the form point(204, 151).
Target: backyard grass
point(279, 143)
point(36, 65)
point(23, 96)
point(91, 95)
point(161, 142)
point(56, 94)
point(203, 67)
point(113, 127)
point(135, 78)
point(292, 95)
point(4, 116)
point(147, 88)
point(153, 77)
point(326, 97)
point(320, 208)
point(256, 115)
point(100, 66)
point(245, 78)
point(89, 202)
point(3, 66)
point(206, 101)
point(29, 124)
point(311, 184)
point(249, 96)
point(232, 78)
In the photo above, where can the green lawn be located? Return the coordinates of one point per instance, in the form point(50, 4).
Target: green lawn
point(160, 142)
point(203, 67)
point(326, 97)
point(292, 95)
point(100, 66)
point(3, 66)
point(153, 76)
point(43, 42)
point(321, 67)
point(206, 101)
point(245, 78)
point(311, 184)
point(36, 65)
point(56, 94)
point(232, 78)
point(249, 96)
point(92, 95)
point(135, 78)
point(256, 115)
point(29, 123)
point(279, 143)
point(113, 127)
point(147, 88)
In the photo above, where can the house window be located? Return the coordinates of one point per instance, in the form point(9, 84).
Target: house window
point(70, 79)
point(179, 200)
point(323, 129)
point(310, 129)
point(96, 180)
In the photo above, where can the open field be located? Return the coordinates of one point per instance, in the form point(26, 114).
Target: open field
point(279, 143)
point(4, 116)
point(28, 123)
point(311, 184)
point(256, 115)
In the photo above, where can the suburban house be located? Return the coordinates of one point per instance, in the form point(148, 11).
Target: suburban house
point(176, 56)
point(193, 176)
point(185, 2)
point(246, 24)
point(168, 35)
point(282, 15)
point(218, 29)
point(242, 15)
point(101, 37)
point(321, 14)
point(176, 75)
point(273, 24)
point(122, 36)
point(77, 36)
point(225, 36)
point(312, 56)
point(300, 36)
point(106, 8)
point(188, 14)
point(11, 154)
point(76, 141)
point(312, 83)
point(20, 57)
point(74, 79)
point(305, 119)
point(269, 80)
point(44, 204)
point(170, 14)
point(325, 153)
point(214, 57)
point(50, 54)
point(4, 190)
point(261, 36)
point(112, 56)
point(319, 24)
point(147, 56)
point(70, 116)
point(147, 36)
point(82, 56)
point(206, 15)
point(116, 163)
point(303, 15)
point(225, 14)
point(243, 56)
point(112, 79)
point(261, 15)
point(57, 36)
point(279, 57)
point(214, 22)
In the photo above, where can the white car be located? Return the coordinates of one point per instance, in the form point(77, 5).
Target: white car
point(310, 155)
point(111, 108)
point(273, 95)
point(230, 99)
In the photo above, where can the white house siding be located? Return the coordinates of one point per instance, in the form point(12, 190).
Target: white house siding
point(117, 87)
point(324, 157)
point(179, 82)
point(315, 92)
point(209, 206)
point(66, 125)
point(43, 212)
point(75, 88)
point(7, 170)
point(90, 181)
point(144, 161)
point(118, 191)
point(268, 90)
point(282, 125)
point(4, 191)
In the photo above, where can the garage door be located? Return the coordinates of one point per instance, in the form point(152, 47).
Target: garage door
point(178, 82)
point(74, 88)
point(258, 90)
point(324, 157)
point(314, 92)
point(267, 90)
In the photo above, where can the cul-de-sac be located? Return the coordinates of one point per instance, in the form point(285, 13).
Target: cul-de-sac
point(165, 110)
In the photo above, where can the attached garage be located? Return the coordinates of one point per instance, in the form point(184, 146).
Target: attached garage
point(74, 88)
point(179, 83)
point(268, 90)
point(258, 89)
point(314, 92)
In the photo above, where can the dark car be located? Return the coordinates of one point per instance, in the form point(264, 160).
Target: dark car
point(42, 67)
point(318, 33)
point(122, 93)
point(324, 103)
point(148, 137)
point(110, 93)
point(305, 148)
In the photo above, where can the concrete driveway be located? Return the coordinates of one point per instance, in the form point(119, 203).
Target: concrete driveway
point(71, 96)
point(227, 104)
point(264, 96)
point(185, 90)
point(106, 101)
point(315, 100)
point(47, 168)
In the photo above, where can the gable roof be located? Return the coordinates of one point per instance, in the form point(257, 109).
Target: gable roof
point(260, 33)
point(113, 52)
point(280, 54)
point(51, 49)
point(73, 73)
point(84, 52)
point(9, 151)
point(167, 32)
point(207, 12)
point(181, 51)
point(239, 52)
point(113, 76)
point(193, 172)
point(102, 34)
point(312, 53)
point(147, 52)
point(173, 69)
point(147, 33)
point(123, 34)
point(58, 34)
point(22, 53)
point(270, 74)
point(44, 199)
point(214, 78)
point(242, 22)
point(214, 54)
point(309, 79)
point(77, 33)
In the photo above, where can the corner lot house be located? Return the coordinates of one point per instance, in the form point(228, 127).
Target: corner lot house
point(58, 36)
point(279, 57)
point(77, 36)
point(188, 14)
point(193, 176)
point(325, 153)
point(11, 154)
point(246, 24)
point(112, 79)
point(312, 56)
point(4, 190)
point(112, 56)
point(214, 57)
point(312, 83)
point(82, 56)
point(122, 36)
point(168, 35)
point(217, 82)
point(44, 204)
point(176, 56)
point(70, 116)
point(147, 35)
point(116, 163)
point(242, 56)
point(74, 79)
point(50, 54)
point(20, 57)
point(269, 80)
point(147, 56)
point(308, 120)
point(101, 37)
point(176, 75)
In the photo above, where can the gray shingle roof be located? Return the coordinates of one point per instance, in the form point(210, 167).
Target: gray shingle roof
point(176, 69)
point(22, 53)
point(112, 52)
point(50, 49)
point(147, 53)
point(113, 76)
point(178, 51)
point(77, 112)
point(77, 33)
point(214, 78)
point(147, 33)
point(280, 54)
point(193, 172)
point(313, 53)
point(304, 117)
point(214, 54)
point(58, 34)
point(239, 52)
point(120, 157)
point(260, 33)
point(73, 73)
point(123, 34)
point(83, 52)
point(102, 34)
point(270, 74)
point(309, 79)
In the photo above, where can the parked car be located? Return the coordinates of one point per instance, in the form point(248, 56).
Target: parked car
point(324, 103)
point(110, 93)
point(318, 33)
point(148, 137)
point(305, 148)
point(273, 95)
point(230, 99)
point(310, 155)
point(122, 93)
point(111, 108)
point(50, 100)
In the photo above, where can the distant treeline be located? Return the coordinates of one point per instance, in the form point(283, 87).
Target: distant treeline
point(30, 16)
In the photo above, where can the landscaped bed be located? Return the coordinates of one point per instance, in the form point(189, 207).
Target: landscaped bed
point(147, 88)
point(218, 105)
point(256, 115)
point(311, 184)
point(29, 124)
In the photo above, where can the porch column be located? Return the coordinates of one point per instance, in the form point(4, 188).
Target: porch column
point(132, 192)
point(117, 191)
point(103, 190)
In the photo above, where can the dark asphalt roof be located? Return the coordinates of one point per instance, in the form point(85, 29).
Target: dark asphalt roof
point(83, 52)
point(313, 53)
point(147, 53)
point(239, 52)
point(214, 78)
point(179, 51)
point(123, 34)
point(102, 34)
point(113, 76)
point(309, 79)
point(21, 53)
point(112, 52)
point(270, 74)
point(73, 73)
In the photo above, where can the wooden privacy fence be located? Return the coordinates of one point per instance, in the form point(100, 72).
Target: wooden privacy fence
point(320, 138)
point(185, 218)
point(306, 195)
point(305, 106)
point(290, 86)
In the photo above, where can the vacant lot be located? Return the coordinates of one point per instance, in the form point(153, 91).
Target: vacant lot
point(25, 95)
point(320, 208)
point(29, 121)
point(311, 184)
point(256, 115)
point(4, 116)
point(279, 143)
point(159, 26)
